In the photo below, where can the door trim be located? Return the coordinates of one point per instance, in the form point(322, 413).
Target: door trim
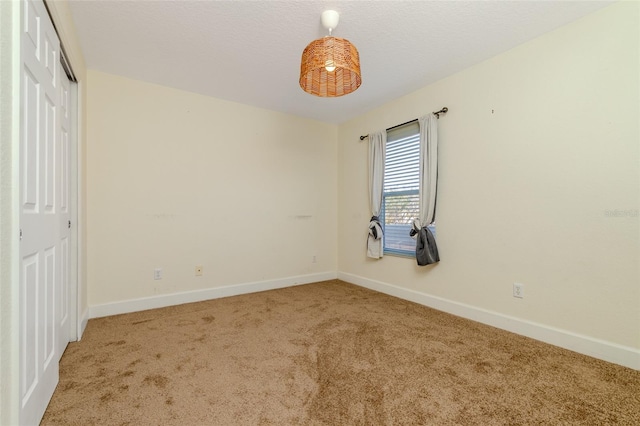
point(10, 68)
point(74, 264)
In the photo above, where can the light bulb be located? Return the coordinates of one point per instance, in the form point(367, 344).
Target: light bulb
point(329, 65)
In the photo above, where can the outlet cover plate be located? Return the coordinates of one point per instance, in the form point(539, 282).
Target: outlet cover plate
point(518, 290)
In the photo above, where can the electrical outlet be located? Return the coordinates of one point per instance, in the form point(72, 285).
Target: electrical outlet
point(199, 271)
point(157, 274)
point(313, 259)
point(518, 290)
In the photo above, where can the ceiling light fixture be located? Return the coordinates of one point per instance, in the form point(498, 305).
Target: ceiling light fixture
point(331, 65)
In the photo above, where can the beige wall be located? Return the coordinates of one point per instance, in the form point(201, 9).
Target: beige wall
point(540, 144)
point(177, 179)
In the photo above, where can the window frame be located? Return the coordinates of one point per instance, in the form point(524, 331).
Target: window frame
point(390, 250)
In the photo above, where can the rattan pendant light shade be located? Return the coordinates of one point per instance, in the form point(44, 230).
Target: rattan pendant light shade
point(330, 66)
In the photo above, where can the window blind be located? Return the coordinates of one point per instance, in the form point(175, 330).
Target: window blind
point(401, 186)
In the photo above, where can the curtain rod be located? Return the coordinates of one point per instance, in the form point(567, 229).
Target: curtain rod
point(437, 113)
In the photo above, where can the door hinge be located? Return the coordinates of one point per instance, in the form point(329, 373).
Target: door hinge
point(21, 235)
point(69, 224)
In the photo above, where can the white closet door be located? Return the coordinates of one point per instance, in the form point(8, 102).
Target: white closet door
point(40, 212)
point(63, 314)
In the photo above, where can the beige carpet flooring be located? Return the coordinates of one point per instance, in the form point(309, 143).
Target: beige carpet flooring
point(328, 353)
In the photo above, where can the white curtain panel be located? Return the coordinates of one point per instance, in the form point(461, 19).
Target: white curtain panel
point(377, 151)
point(426, 248)
point(428, 167)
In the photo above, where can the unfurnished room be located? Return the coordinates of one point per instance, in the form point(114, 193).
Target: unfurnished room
point(319, 212)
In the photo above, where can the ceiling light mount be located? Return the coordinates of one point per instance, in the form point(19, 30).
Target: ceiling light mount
point(330, 66)
point(330, 19)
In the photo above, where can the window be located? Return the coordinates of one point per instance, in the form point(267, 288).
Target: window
point(400, 197)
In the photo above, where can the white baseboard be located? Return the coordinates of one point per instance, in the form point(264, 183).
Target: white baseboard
point(596, 348)
point(84, 319)
point(161, 301)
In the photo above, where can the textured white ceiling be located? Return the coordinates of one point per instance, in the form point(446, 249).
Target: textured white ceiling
point(249, 51)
